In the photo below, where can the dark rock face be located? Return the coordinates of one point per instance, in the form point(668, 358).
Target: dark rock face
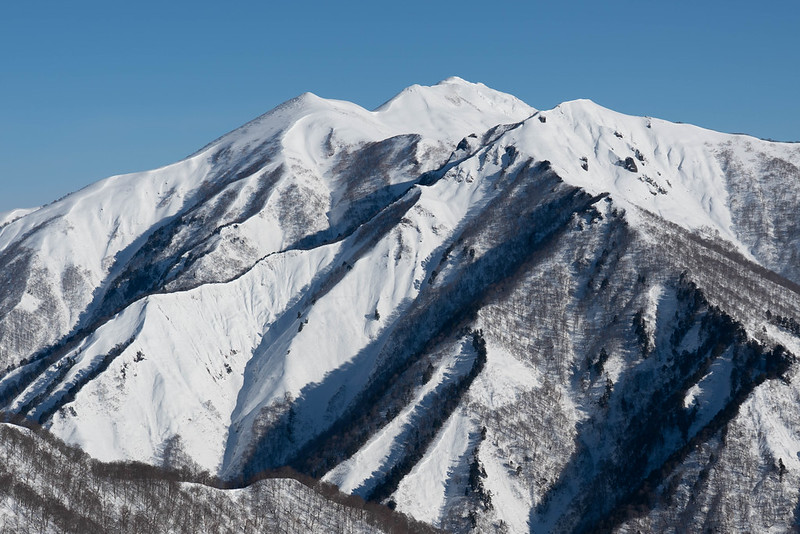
point(630, 165)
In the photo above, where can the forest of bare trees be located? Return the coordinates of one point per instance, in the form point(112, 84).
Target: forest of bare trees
point(47, 486)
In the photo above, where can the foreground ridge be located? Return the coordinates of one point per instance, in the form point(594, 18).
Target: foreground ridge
point(48, 486)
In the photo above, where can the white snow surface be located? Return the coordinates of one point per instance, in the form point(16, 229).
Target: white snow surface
point(677, 175)
point(355, 474)
point(119, 212)
point(423, 493)
point(435, 481)
point(7, 217)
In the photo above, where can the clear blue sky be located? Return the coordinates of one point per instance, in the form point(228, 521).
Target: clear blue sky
point(92, 89)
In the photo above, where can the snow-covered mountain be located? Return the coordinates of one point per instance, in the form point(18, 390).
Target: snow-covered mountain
point(490, 316)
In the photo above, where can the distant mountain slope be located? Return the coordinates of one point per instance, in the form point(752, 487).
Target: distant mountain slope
point(492, 317)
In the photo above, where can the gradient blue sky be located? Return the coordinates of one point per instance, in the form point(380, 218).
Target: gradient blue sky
point(92, 89)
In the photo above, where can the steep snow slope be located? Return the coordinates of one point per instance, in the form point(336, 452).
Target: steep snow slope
point(493, 317)
point(317, 149)
point(285, 176)
point(679, 172)
point(8, 217)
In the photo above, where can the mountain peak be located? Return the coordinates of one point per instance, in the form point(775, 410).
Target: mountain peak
point(581, 103)
point(456, 80)
point(453, 104)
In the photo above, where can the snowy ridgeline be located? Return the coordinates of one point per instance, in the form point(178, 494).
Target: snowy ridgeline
point(46, 486)
point(490, 317)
